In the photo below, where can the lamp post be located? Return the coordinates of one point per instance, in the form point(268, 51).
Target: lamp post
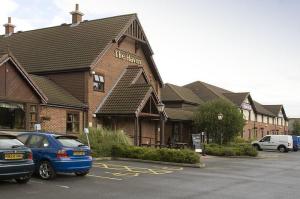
point(220, 118)
point(161, 108)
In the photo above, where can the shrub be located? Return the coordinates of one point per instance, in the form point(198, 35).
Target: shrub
point(164, 154)
point(102, 140)
point(242, 149)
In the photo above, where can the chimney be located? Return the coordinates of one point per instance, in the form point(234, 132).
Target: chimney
point(76, 15)
point(9, 27)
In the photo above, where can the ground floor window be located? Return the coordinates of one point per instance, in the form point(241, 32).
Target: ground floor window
point(12, 116)
point(72, 122)
point(33, 116)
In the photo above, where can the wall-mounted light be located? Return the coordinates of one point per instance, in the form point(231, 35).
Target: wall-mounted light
point(94, 115)
point(92, 72)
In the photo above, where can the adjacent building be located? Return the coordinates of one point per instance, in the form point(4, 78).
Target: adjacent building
point(260, 119)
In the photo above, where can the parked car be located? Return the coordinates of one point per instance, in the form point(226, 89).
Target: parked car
point(282, 143)
point(54, 153)
point(15, 159)
point(296, 142)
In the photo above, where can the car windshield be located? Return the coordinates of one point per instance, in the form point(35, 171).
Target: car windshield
point(69, 142)
point(9, 143)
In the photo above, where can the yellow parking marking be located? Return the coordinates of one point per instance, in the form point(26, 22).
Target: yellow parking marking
point(125, 170)
point(124, 174)
point(104, 177)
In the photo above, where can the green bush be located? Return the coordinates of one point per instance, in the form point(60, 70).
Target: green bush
point(164, 154)
point(102, 140)
point(240, 149)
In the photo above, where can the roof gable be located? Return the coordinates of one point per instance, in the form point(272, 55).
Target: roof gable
point(277, 110)
point(10, 58)
point(237, 98)
point(127, 97)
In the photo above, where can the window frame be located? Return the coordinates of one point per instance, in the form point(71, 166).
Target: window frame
point(30, 112)
point(72, 122)
point(99, 82)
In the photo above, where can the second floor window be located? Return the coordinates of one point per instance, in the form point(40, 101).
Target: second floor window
point(98, 83)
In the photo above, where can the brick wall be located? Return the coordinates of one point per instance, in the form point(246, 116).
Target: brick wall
point(55, 119)
point(262, 130)
point(112, 67)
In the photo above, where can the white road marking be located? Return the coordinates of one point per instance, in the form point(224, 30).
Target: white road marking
point(63, 186)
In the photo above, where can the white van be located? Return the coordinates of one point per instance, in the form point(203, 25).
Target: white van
point(282, 143)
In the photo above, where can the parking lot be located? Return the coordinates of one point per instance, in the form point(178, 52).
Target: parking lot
point(274, 175)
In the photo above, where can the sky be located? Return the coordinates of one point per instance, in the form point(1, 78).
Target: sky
point(241, 45)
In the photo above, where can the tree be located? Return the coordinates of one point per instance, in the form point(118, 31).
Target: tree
point(220, 131)
point(296, 128)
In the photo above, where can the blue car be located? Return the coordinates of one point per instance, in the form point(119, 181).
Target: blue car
point(296, 142)
point(15, 160)
point(57, 153)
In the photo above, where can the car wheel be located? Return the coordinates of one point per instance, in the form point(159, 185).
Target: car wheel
point(282, 149)
point(84, 173)
point(256, 146)
point(46, 171)
point(23, 180)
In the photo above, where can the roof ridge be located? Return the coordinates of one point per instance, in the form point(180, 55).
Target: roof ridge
point(205, 85)
point(178, 94)
point(67, 24)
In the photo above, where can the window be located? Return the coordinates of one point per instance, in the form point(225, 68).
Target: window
point(33, 116)
point(35, 141)
point(266, 139)
point(23, 138)
point(73, 122)
point(98, 83)
point(12, 116)
point(9, 143)
point(69, 141)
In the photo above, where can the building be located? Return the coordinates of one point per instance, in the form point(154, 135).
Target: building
point(89, 73)
point(260, 119)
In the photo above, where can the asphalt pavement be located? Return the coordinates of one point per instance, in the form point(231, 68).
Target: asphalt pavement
point(274, 175)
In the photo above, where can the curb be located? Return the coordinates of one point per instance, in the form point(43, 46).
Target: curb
point(242, 157)
point(200, 165)
point(102, 158)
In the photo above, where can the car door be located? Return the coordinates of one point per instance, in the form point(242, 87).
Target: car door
point(265, 143)
point(35, 144)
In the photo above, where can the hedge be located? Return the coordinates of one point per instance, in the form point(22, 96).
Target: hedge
point(102, 140)
point(241, 149)
point(162, 154)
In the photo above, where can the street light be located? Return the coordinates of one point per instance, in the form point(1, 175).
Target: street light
point(161, 108)
point(220, 118)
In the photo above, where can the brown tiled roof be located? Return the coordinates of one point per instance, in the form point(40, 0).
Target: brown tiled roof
point(56, 95)
point(64, 47)
point(202, 91)
point(273, 108)
point(260, 109)
point(179, 114)
point(209, 92)
point(172, 92)
point(126, 97)
point(236, 98)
